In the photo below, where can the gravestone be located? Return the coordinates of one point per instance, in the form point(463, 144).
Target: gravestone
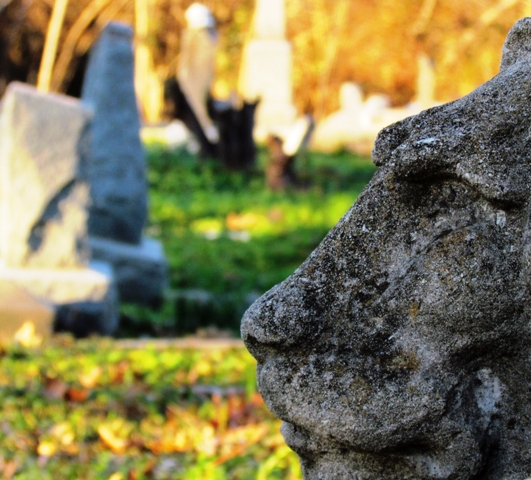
point(426, 79)
point(196, 64)
point(266, 69)
point(400, 348)
point(117, 171)
point(351, 98)
point(44, 151)
point(344, 126)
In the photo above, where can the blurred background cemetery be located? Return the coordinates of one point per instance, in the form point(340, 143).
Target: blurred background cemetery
point(162, 164)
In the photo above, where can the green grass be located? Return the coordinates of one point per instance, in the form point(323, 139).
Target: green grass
point(95, 410)
point(92, 410)
point(228, 236)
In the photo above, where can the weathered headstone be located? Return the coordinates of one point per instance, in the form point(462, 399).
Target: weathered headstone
point(400, 348)
point(44, 151)
point(266, 69)
point(117, 171)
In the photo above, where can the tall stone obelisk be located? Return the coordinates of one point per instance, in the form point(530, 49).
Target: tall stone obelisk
point(266, 69)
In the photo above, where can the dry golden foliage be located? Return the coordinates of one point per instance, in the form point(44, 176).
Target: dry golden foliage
point(373, 42)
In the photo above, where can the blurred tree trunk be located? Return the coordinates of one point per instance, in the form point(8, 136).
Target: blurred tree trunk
point(50, 45)
point(338, 23)
point(148, 86)
point(68, 50)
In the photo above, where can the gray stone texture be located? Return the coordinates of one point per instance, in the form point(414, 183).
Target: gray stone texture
point(43, 198)
point(400, 348)
point(117, 168)
point(141, 271)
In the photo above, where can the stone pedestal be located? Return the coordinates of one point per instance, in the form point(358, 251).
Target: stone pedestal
point(140, 270)
point(87, 294)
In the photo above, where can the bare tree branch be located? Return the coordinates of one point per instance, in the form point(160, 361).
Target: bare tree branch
point(91, 11)
point(424, 17)
point(50, 45)
point(485, 20)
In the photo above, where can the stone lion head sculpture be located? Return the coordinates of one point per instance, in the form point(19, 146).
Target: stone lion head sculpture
point(400, 349)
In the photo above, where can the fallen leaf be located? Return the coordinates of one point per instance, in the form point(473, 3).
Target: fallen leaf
point(111, 439)
point(77, 394)
point(54, 388)
point(90, 379)
point(26, 336)
point(206, 441)
point(63, 433)
point(181, 442)
point(237, 441)
point(117, 372)
point(10, 468)
point(46, 448)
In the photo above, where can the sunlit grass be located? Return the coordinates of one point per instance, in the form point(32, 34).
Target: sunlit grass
point(94, 410)
point(226, 234)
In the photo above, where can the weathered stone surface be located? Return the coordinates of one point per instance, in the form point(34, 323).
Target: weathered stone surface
point(43, 200)
point(44, 196)
point(141, 271)
point(400, 348)
point(117, 167)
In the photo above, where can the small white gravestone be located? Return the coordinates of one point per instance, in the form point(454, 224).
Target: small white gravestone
point(267, 68)
point(351, 98)
point(44, 150)
point(341, 127)
point(196, 64)
point(355, 125)
point(270, 20)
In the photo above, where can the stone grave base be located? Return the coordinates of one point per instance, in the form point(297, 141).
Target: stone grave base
point(140, 270)
point(85, 299)
point(18, 309)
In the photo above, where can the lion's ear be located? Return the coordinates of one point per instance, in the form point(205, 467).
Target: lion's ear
point(517, 46)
